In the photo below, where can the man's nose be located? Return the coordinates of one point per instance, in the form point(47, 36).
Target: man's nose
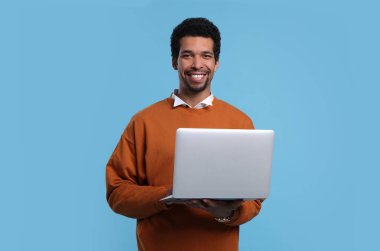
point(197, 62)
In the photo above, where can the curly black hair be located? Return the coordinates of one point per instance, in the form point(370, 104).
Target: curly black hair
point(195, 27)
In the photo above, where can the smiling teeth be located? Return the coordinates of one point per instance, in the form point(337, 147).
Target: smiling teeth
point(197, 76)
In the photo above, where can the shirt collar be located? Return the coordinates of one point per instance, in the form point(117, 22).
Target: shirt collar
point(204, 103)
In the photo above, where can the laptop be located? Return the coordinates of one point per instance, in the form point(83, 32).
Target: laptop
point(223, 164)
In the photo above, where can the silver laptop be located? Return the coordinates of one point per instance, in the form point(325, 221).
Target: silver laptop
point(222, 164)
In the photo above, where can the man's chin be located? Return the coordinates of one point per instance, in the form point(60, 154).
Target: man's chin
point(196, 88)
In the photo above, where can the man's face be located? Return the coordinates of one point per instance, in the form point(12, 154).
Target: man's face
point(195, 64)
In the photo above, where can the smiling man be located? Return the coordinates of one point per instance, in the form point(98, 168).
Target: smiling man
point(140, 170)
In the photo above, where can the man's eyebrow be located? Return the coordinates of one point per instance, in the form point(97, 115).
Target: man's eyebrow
point(186, 51)
point(202, 52)
point(208, 52)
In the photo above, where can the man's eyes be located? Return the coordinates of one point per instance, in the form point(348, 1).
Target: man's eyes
point(206, 56)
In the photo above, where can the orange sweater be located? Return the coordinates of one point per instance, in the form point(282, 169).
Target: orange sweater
point(140, 171)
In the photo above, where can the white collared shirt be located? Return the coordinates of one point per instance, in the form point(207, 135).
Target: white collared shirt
point(204, 103)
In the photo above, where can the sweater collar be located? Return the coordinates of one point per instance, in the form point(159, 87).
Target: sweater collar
point(179, 102)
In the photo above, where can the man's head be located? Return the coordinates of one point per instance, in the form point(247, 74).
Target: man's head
point(195, 45)
point(195, 27)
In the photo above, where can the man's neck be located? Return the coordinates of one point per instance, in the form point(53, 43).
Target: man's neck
point(193, 98)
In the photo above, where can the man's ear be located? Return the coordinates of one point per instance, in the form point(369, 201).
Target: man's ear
point(216, 65)
point(174, 64)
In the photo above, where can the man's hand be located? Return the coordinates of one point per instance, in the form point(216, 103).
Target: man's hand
point(218, 208)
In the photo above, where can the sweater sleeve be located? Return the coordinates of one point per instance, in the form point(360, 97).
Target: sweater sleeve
point(127, 191)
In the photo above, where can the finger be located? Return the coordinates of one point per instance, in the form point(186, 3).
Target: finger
point(209, 203)
point(169, 203)
point(237, 202)
point(199, 203)
point(192, 203)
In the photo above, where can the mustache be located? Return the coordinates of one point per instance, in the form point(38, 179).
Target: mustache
point(195, 71)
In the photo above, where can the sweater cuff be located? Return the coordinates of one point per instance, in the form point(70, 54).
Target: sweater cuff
point(162, 193)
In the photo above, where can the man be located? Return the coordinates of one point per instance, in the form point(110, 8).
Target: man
point(140, 171)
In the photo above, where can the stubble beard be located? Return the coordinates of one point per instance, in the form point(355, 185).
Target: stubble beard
point(198, 89)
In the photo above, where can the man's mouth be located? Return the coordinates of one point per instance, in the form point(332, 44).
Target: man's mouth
point(197, 76)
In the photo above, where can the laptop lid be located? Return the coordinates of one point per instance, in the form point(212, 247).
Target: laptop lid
point(222, 163)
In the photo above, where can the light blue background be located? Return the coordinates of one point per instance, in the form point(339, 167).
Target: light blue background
point(73, 73)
